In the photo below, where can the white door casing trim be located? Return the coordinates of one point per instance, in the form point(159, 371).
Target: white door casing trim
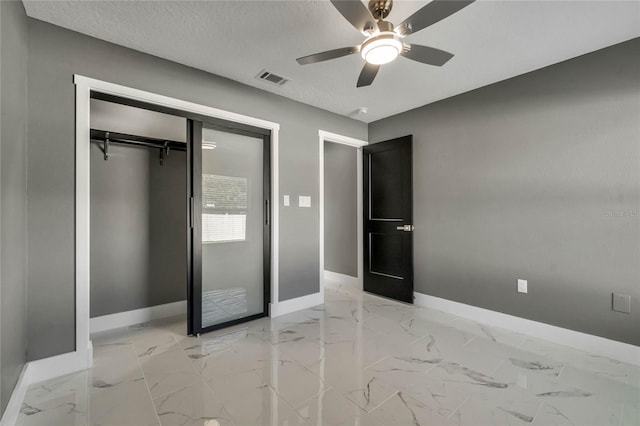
point(82, 356)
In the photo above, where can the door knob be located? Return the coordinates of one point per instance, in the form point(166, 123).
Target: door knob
point(405, 228)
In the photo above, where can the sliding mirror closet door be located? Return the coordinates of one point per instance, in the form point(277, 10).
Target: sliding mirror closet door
point(231, 229)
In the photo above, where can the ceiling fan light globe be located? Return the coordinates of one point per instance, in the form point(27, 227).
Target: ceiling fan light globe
point(381, 49)
point(380, 55)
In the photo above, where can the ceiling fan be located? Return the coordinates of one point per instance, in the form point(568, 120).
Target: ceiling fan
point(384, 42)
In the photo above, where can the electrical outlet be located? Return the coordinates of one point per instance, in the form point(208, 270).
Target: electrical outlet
point(621, 303)
point(522, 286)
point(286, 201)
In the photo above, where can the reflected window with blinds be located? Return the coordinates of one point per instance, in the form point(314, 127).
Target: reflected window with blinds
point(224, 208)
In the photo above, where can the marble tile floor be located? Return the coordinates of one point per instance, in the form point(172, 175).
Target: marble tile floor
point(357, 360)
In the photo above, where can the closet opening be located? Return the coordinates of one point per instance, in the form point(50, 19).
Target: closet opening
point(340, 178)
point(180, 216)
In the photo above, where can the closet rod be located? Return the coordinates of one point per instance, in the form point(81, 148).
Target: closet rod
point(123, 138)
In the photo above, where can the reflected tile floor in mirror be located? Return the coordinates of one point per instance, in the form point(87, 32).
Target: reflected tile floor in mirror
point(357, 360)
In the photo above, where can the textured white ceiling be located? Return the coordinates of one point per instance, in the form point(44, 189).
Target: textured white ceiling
point(492, 41)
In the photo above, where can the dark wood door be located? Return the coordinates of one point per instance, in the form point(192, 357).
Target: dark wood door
point(388, 219)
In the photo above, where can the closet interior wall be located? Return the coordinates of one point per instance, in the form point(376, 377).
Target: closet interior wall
point(340, 209)
point(138, 214)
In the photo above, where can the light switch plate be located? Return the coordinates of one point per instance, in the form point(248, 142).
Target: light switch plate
point(621, 303)
point(522, 286)
point(286, 201)
point(304, 201)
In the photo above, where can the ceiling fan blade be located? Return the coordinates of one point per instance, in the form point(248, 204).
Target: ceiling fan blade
point(367, 75)
point(329, 54)
point(434, 12)
point(356, 13)
point(427, 55)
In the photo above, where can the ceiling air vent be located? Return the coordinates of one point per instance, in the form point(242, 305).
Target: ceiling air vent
point(272, 78)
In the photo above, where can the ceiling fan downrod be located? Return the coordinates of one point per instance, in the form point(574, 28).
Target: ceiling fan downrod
point(380, 9)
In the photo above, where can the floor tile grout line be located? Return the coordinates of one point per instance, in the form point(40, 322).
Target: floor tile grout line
point(146, 384)
point(537, 412)
point(376, 362)
point(215, 395)
point(464, 401)
point(564, 365)
point(326, 386)
point(621, 414)
point(381, 403)
point(431, 368)
point(498, 367)
point(524, 340)
point(172, 391)
point(473, 337)
point(153, 354)
point(543, 403)
point(288, 403)
point(325, 390)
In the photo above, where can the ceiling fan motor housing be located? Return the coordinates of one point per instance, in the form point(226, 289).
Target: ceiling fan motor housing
point(380, 9)
point(385, 27)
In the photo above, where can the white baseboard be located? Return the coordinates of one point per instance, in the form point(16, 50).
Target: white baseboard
point(56, 366)
point(297, 304)
point(124, 319)
point(41, 370)
point(342, 279)
point(586, 342)
point(11, 413)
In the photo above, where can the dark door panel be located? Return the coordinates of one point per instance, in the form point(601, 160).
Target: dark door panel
point(388, 202)
point(386, 198)
point(386, 254)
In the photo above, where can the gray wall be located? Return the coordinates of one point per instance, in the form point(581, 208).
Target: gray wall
point(340, 209)
point(138, 214)
point(536, 178)
point(13, 195)
point(55, 54)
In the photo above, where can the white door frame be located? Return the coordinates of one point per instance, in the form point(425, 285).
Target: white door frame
point(82, 357)
point(323, 137)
